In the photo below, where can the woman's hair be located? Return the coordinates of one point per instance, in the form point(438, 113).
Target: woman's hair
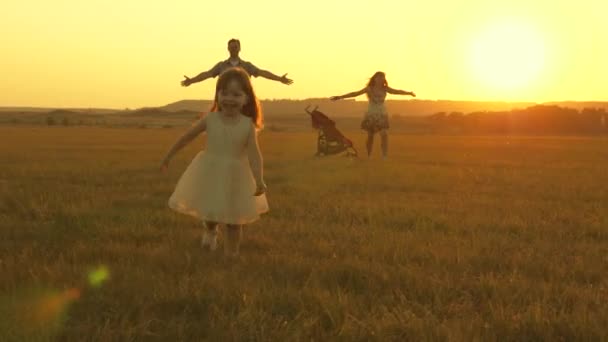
point(252, 108)
point(371, 81)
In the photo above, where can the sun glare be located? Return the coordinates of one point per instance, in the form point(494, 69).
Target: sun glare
point(507, 56)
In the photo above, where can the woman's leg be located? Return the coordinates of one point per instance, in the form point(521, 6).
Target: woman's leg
point(384, 142)
point(210, 235)
point(370, 142)
point(234, 233)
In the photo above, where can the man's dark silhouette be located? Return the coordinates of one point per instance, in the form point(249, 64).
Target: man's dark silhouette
point(234, 47)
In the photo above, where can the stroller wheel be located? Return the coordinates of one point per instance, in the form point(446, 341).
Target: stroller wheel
point(351, 153)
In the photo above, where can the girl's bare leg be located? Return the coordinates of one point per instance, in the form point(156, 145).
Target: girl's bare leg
point(209, 235)
point(232, 245)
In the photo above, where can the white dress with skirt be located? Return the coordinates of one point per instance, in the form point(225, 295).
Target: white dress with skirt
point(218, 185)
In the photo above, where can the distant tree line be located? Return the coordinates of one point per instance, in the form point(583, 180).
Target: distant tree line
point(539, 119)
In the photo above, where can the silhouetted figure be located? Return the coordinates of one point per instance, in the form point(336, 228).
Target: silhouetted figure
point(376, 117)
point(234, 47)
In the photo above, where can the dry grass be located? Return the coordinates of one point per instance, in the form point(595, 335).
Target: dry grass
point(452, 238)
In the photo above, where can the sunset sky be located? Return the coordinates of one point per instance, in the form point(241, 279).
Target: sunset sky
point(133, 53)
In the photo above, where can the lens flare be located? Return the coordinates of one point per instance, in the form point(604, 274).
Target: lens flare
point(53, 306)
point(40, 314)
point(98, 276)
point(34, 314)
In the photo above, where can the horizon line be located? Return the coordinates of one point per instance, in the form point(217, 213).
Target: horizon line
point(306, 99)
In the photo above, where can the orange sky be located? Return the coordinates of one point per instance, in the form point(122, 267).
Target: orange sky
point(133, 53)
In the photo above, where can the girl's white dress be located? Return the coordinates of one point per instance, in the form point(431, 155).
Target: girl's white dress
point(218, 185)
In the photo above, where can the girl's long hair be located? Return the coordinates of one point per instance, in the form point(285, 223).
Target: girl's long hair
point(371, 81)
point(252, 108)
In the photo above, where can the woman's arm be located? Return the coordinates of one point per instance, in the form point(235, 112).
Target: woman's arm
point(347, 95)
point(399, 92)
point(199, 127)
point(256, 161)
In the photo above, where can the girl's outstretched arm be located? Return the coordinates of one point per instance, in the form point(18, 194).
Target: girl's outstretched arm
point(256, 161)
point(399, 92)
point(199, 127)
point(347, 95)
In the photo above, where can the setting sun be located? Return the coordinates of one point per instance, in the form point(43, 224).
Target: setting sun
point(507, 55)
point(115, 54)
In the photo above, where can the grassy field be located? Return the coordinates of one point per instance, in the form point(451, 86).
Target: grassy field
point(452, 238)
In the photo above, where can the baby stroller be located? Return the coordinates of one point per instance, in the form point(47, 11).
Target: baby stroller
point(330, 139)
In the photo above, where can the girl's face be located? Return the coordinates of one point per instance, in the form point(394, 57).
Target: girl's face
point(232, 98)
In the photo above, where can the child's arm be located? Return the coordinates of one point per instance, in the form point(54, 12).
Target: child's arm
point(399, 92)
point(186, 138)
point(256, 161)
point(352, 94)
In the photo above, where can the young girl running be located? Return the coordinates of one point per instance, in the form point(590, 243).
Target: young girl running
point(224, 184)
